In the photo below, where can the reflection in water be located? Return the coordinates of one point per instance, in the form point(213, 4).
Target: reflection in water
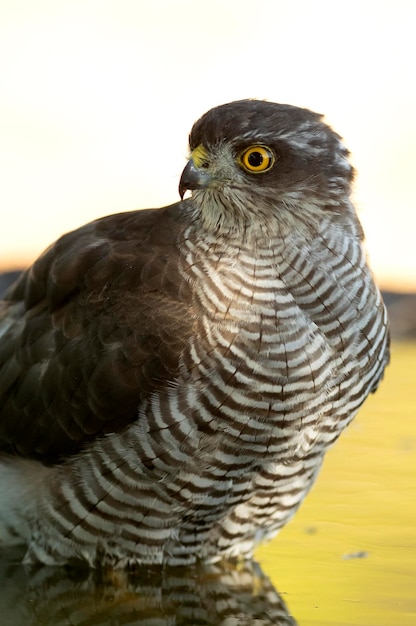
point(226, 595)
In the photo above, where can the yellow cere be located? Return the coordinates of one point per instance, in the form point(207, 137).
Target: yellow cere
point(199, 155)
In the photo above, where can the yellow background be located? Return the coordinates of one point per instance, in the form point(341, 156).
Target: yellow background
point(363, 502)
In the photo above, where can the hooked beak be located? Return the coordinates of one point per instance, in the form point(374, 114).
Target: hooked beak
point(193, 177)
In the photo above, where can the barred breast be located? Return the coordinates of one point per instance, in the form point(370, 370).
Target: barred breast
point(289, 337)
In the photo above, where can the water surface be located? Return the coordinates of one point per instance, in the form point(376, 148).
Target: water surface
point(348, 557)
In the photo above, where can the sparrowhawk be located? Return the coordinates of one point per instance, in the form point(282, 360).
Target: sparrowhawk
point(170, 379)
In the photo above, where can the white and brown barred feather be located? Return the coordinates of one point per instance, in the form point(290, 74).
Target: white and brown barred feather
point(170, 379)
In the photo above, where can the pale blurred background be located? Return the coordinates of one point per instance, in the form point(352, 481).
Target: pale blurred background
point(97, 98)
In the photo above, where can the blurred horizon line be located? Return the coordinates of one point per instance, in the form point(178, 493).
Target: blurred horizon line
point(19, 262)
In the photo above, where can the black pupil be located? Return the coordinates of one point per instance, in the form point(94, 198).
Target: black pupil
point(255, 159)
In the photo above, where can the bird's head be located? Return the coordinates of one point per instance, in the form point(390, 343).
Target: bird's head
point(254, 162)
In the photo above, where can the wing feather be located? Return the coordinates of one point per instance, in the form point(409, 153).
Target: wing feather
point(90, 330)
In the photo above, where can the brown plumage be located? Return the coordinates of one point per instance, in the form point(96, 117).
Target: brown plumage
point(104, 331)
point(170, 379)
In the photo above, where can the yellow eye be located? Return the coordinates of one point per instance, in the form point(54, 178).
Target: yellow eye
point(257, 159)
